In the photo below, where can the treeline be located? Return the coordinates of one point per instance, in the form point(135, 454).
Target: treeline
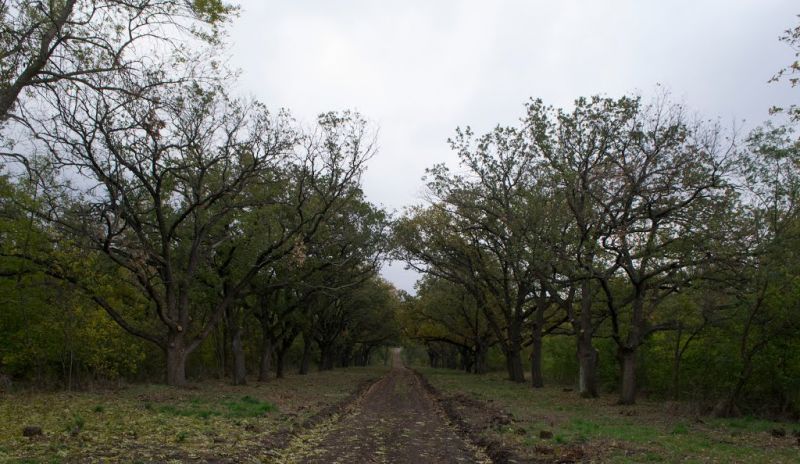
point(661, 245)
point(155, 225)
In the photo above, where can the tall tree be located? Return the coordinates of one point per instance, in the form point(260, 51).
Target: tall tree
point(163, 176)
point(659, 189)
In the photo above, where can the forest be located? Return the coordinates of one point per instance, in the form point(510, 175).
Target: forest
point(157, 227)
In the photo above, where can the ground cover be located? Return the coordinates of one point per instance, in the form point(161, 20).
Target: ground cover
point(554, 425)
point(210, 421)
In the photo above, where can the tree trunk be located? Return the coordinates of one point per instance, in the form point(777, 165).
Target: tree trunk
point(537, 379)
point(627, 351)
point(326, 357)
point(516, 373)
point(176, 352)
point(514, 366)
point(628, 388)
point(306, 359)
point(221, 348)
point(347, 356)
point(587, 354)
point(279, 363)
point(466, 358)
point(265, 363)
point(239, 376)
point(480, 357)
point(364, 356)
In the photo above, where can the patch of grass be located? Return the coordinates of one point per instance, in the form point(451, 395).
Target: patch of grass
point(75, 425)
point(99, 408)
point(680, 429)
point(746, 423)
point(181, 437)
point(248, 406)
point(653, 457)
point(243, 407)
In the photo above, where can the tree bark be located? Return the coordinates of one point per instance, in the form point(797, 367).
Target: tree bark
point(537, 378)
point(587, 354)
point(627, 350)
point(347, 356)
point(480, 357)
point(176, 353)
point(628, 390)
point(280, 356)
point(265, 364)
point(326, 357)
point(516, 373)
point(239, 376)
point(514, 366)
point(305, 361)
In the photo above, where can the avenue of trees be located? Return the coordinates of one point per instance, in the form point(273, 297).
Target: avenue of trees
point(644, 247)
point(153, 224)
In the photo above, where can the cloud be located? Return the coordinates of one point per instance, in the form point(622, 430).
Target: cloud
point(420, 68)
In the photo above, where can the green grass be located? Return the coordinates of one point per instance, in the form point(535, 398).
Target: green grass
point(203, 408)
point(646, 432)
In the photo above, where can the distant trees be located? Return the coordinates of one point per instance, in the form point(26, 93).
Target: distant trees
point(443, 313)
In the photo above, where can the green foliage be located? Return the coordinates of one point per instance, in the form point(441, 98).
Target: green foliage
point(49, 332)
point(243, 407)
point(213, 11)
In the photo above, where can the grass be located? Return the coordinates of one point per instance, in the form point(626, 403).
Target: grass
point(156, 423)
point(646, 432)
point(203, 408)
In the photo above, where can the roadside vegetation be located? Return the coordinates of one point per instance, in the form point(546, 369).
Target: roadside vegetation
point(552, 423)
point(617, 245)
point(155, 423)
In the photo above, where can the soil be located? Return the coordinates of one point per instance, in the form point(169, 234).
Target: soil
point(477, 419)
point(396, 421)
point(480, 421)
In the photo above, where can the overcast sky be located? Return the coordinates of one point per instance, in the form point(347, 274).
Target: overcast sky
point(418, 69)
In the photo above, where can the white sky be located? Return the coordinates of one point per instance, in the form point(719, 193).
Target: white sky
point(417, 69)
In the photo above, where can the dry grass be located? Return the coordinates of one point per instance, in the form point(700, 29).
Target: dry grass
point(156, 423)
point(605, 432)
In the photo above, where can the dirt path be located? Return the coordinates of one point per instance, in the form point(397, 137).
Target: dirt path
point(396, 421)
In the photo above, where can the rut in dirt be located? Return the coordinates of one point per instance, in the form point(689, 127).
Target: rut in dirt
point(395, 421)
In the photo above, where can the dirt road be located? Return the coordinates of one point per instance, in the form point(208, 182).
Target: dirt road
point(395, 421)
